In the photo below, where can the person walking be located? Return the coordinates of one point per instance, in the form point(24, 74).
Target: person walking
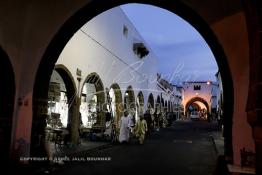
point(141, 129)
point(131, 122)
point(124, 128)
point(156, 117)
point(148, 119)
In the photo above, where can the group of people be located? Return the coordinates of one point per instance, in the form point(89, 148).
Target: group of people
point(145, 125)
point(128, 125)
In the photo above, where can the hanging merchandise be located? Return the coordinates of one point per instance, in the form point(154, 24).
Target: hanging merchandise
point(54, 92)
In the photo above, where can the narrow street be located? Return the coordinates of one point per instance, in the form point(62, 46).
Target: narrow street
point(186, 148)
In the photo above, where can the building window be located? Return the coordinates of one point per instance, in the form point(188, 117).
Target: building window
point(197, 87)
point(140, 50)
point(125, 31)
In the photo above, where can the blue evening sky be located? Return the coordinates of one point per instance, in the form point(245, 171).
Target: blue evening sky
point(180, 49)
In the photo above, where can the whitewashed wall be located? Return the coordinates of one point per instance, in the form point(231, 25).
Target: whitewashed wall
point(100, 46)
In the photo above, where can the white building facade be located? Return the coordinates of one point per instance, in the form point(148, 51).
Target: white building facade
point(112, 68)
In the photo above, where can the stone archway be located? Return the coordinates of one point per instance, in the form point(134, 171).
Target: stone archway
point(94, 8)
point(7, 94)
point(62, 96)
point(62, 77)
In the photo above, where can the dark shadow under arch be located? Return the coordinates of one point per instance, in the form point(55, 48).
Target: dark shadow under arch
point(7, 95)
point(96, 7)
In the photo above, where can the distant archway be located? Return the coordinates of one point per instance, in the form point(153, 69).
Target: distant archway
point(197, 99)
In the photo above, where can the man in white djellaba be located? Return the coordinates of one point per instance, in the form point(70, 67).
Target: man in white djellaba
point(124, 128)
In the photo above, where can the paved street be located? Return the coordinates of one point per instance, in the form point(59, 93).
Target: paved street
point(186, 148)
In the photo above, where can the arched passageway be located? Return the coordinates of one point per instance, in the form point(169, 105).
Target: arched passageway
point(61, 97)
point(96, 7)
point(197, 108)
point(7, 94)
point(61, 94)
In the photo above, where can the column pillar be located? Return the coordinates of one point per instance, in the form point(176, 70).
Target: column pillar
point(75, 120)
point(75, 112)
point(254, 104)
point(255, 120)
